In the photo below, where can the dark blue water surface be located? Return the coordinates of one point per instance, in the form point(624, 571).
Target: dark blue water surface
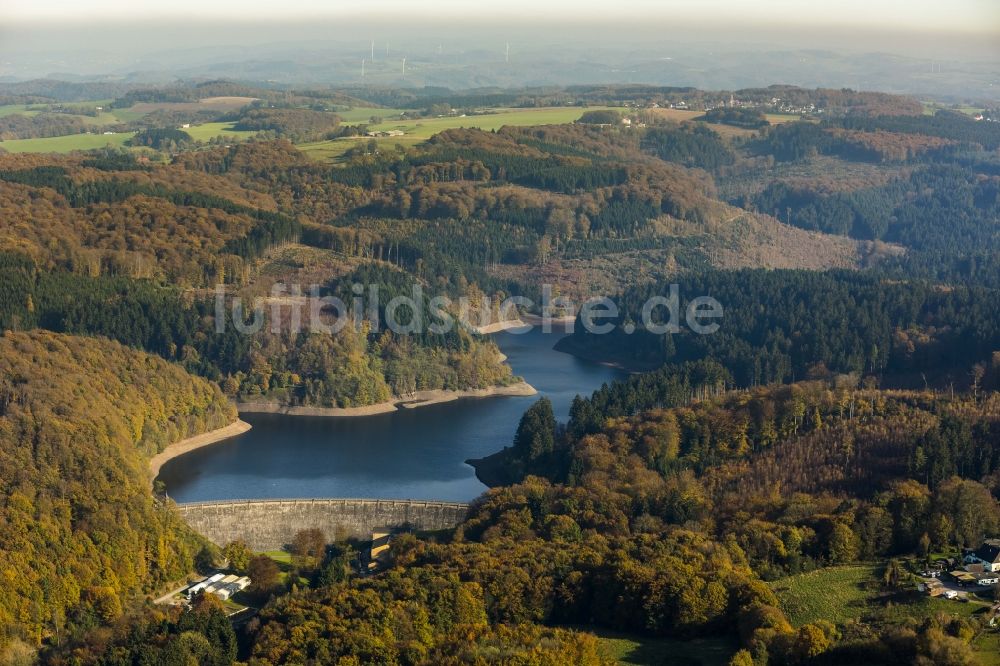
point(407, 454)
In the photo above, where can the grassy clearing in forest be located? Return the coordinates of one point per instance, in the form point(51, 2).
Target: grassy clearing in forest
point(66, 144)
point(421, 129)
point(648, 651)
point(206, 131)
point(840, 594)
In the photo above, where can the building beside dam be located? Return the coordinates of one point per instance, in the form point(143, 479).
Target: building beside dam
point(272, 524)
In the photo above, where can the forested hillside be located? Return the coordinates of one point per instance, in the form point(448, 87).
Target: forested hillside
point(786, 325)
point(668, 524)
point(843, 417)
point(931, 186)
point(82, 534)
point(469, 213)
point(796, 478)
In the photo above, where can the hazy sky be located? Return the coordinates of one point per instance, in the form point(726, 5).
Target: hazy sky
point(980, 16)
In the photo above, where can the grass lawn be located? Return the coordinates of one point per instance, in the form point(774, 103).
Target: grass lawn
point(65, 144)
point(284, 560)
point(987, 647)
point(282, 557)
point(646, 651)
point(230, 606)
point(419, 130)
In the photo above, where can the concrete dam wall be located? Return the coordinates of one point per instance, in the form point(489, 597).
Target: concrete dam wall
point(271, 524)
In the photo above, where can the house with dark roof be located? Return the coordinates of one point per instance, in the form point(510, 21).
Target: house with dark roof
point(987, 579)
point(986, 556)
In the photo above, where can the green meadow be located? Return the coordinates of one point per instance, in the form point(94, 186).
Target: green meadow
point(361, 114)
point(841, 594)
point(66, 144)
point(206, 131)
point(104, 117)
point(648, 651)
point(424, 128)
point(421, 129)
point(20, 109)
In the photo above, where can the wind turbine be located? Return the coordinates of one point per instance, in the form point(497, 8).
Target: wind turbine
point(362, 68)
point(506, 56)
point(404, 66)
point(373, 50)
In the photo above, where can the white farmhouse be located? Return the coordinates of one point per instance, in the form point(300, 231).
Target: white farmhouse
point(987, 556)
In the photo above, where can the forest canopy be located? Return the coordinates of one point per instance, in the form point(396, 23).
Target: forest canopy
point(83, 535)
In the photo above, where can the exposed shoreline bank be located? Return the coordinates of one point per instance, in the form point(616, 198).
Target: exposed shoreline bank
point(526, 320)
point(411, 401)
point(498, 326)
point(564, 324)
point(238, 427)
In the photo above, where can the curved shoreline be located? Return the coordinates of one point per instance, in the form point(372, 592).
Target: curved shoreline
point(411, 401)
point(498, 326)
point(567, 322)
point(424, 398)
point(567, 346)
point(238, 427)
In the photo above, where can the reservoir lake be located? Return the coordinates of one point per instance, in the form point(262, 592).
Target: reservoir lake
point(407, 454)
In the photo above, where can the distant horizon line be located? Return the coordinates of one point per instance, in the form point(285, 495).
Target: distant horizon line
point(647, 24)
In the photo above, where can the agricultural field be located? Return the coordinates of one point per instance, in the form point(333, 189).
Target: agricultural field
point(206, 131)
point(332, 151)
point(66, 144)
point(208, 103)
point(729, 131)
point(779, 118)
point(125, 115)
point(104, 117)
point(19, 109)
point(421, 129)
point(361, 114)
point(930, 108)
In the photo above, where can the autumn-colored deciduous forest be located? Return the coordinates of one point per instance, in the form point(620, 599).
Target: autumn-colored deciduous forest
point(83, 536)
point(843, 422)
